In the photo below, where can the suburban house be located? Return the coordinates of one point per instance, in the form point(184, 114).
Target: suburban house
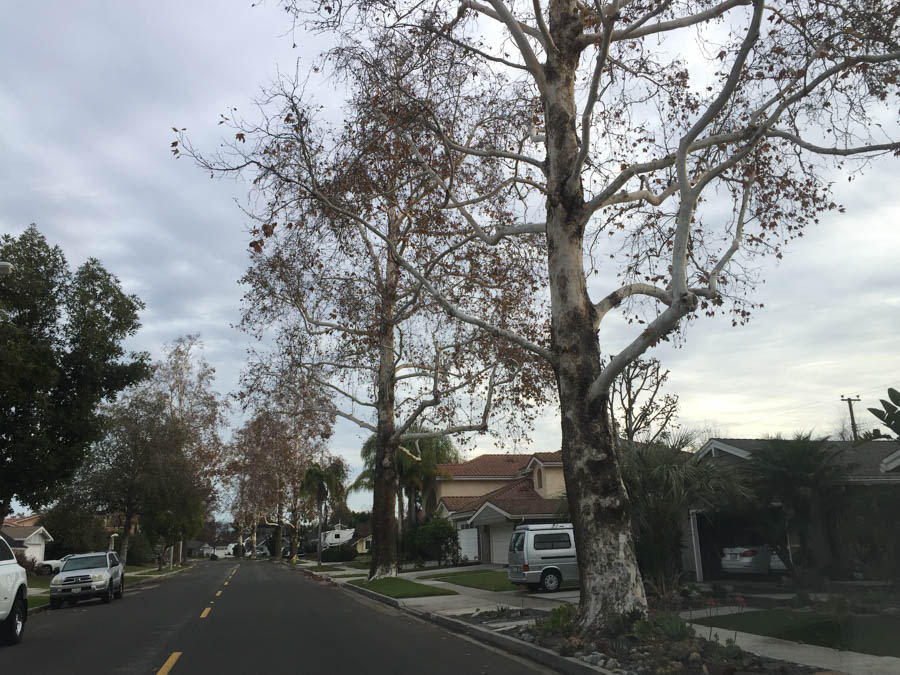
point(362, 538)
point(30, 540)
point(489, 495)
point(871, 465)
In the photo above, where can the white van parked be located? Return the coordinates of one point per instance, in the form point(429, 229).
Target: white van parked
point(542, 556)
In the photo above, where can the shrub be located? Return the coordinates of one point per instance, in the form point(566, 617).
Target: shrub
point(666, 626)
point(435, 539)
point(342, 553)
point(560, 622)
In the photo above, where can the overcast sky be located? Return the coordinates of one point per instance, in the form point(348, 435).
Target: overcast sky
point(89, 92)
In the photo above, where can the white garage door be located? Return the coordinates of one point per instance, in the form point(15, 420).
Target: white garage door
point(501, 533)
point(468, 543)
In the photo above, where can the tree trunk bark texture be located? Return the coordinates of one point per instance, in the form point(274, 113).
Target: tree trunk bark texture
point(384, 521)
point(319, 539)
point(126, 538)
point(279, 530)
point(610, 580)
point(253, 541)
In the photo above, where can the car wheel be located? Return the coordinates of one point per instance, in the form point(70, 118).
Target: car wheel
point(108, 594)
point(12, 630)
point(55, 603)
point(550, 581)
point(121, 592)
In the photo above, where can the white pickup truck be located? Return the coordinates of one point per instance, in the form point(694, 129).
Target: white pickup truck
point(13, 597)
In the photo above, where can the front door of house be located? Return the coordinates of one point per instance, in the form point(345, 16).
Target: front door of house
point(486, 543)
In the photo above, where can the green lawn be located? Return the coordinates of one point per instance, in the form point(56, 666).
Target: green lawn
point(868, 634)
point(358, 564)
point(486, 580)
point(137, 569)
point(40, 582)
point(35, 601)
point(396, 587)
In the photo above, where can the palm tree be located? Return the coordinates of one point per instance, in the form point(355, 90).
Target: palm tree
point(806, 477)
point(417, 468)
point(323, 483)
point(663, 484)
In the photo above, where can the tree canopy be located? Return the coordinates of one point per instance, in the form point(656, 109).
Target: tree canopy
point(62, 334)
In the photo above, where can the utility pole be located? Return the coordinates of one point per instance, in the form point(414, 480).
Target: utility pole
point(850, 401)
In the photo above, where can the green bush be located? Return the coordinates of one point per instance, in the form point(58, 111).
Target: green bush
point(343, 553)
point(435, 539)
point(666, 626)
point(560, 622)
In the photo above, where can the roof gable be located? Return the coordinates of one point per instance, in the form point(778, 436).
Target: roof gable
point(23, 533)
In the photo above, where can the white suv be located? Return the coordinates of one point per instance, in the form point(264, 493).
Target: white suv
point(13, 597)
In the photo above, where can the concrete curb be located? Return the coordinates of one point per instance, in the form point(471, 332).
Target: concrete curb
point(545, 657)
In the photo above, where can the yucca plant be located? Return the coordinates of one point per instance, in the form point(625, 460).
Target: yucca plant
point(889, 413)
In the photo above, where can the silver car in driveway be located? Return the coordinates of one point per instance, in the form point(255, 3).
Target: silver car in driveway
point(88, 575)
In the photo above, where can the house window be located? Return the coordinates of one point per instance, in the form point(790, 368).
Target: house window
point(368, 544)
point(539, 478)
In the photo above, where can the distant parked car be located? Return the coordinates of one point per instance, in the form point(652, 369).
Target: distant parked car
point(52, 566)
point(13, 597)
point(89, 575)
point(746, 559)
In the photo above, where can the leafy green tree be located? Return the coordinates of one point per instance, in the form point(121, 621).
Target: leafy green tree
point(126, 462)
point(62, 355)
point(889, 414)
point(806, 477)
point(324, 482)
point(75, 527)
point(417, 465)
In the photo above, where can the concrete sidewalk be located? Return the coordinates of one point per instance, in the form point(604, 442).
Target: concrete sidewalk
point(854, 663)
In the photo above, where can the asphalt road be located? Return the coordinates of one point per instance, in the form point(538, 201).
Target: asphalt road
point(261, 619)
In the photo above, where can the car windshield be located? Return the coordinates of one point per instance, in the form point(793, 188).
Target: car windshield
point(85, 563)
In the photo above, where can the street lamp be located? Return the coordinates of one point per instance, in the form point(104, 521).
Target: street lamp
point(5, 268)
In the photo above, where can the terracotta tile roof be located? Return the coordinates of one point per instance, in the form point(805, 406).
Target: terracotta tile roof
point(454, 504)
point(517, 499)
point(484, 466)
point(549, 457)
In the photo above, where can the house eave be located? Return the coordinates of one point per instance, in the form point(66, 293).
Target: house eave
point(715, 444)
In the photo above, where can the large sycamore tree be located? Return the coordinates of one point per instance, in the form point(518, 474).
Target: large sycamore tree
point(337, 207)
point(666, 142)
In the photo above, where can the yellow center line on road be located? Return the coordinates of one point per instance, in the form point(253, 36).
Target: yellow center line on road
point(167, 666)
point(205, 613)
point(218, 593)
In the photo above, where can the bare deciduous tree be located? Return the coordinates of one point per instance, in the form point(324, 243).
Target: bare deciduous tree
point(668, 143)
point(637, 405)
point(340, 207)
